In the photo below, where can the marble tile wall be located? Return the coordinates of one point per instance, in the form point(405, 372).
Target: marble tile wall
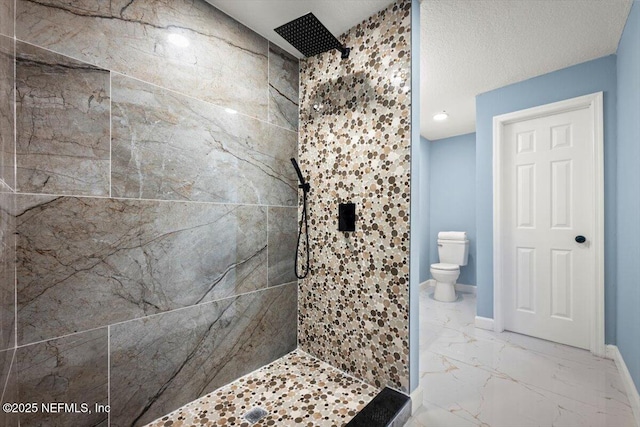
point(7, 271)
point(175, 358)
point(62, 124)
point(168, 146)
point(355, 147)
point(7, 247)
point(223, 63)
point(7, 145)
point(147, 205)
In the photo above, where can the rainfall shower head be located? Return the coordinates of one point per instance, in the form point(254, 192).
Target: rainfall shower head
point(310, 37)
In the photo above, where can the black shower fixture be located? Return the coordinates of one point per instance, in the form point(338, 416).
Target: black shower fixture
point(310, 37)
point(304, 222)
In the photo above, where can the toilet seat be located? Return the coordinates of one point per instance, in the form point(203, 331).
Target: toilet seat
point(445, 267)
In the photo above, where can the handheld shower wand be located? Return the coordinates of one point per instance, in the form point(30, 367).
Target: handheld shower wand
point(304, 185)
point(303, 221)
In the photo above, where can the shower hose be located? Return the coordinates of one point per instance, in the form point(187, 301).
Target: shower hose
point(303, 221)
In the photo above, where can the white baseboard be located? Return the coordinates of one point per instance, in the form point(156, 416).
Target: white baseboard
point(469, 289)
point(484, 323)
point(630, 388)
point(428, 283)
point(416, 399)
point(460, 287)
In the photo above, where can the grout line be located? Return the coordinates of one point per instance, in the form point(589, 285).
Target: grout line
point(110, 133)
point(109, 325)
point(84, 196)
point(15, 111)
point(14, 250)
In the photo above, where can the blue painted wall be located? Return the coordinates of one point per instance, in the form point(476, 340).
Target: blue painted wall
point(628, 246)
point(582, 79)
point(425, 198)
point(452, 177)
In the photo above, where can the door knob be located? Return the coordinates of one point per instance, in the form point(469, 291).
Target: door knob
point(581, 239)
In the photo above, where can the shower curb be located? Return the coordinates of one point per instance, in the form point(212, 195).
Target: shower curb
point(389, 408)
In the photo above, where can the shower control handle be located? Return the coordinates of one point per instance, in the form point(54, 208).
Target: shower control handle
point(581, 239)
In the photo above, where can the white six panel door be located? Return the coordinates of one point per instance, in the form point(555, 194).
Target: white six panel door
point(549, 200)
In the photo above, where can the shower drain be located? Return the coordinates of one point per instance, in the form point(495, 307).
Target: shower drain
point(255, 414)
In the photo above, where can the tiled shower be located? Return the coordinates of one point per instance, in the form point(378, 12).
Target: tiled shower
point(149, 222)
point(153, 206)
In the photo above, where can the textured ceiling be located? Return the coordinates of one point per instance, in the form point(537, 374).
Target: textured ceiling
point(472, 46)
point(467, 46)
point(262, 16)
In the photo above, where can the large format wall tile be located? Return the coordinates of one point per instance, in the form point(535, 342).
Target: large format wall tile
point(7, 270)
point(7, 295)
point(87, 262)
point(168, 146)
point(72, 369)
point(7, 141)
point(354, 307)
point(7, 8)
point(163, 362)
point(224, 62)
point(283, 233)
point(6, 358)
point(62, 124)
point(283, 88)
point(8, 389)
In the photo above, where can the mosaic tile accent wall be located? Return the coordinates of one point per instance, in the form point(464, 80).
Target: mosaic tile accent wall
point(149, 211)
point(355, 147)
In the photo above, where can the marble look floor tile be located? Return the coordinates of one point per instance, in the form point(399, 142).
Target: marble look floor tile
point(509, 379)
point(457, 315)
point(174, 358)
point(283, 88)
point(7, 119)
point(62, 124)
point(70, 370)
point(494, 399)
point(171, 147)
point(294, 390)
point(223, 62)
point(283, 234)
point(589, 383)
point(78, 256)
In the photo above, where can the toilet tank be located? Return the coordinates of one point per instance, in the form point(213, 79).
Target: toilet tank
point(453, 251)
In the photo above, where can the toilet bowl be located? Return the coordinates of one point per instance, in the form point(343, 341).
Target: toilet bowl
point(445, 276)
point(453, 251)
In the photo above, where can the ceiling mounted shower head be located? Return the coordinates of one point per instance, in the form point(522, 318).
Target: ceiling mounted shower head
point(310, 37)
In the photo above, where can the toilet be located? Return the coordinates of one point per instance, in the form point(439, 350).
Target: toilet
point(453, 252)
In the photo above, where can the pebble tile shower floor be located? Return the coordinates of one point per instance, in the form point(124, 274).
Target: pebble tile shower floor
point(295, 390)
